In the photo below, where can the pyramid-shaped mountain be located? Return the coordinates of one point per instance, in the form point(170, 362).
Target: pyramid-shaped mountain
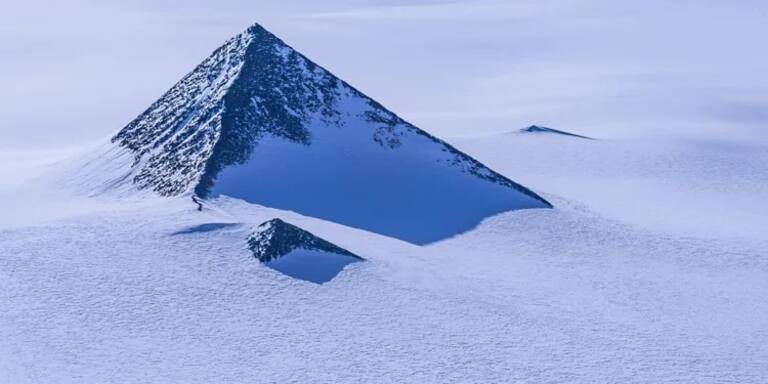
point(260, 122)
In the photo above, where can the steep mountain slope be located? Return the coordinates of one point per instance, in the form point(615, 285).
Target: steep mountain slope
point(260, 122)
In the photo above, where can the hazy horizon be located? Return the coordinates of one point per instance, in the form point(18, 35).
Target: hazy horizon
point(79, 72)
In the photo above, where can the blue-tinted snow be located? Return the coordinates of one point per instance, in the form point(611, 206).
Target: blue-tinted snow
point(315, 266)
point(411, 192)
point(206, 227)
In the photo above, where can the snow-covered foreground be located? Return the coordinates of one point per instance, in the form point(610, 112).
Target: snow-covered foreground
point(651, 268)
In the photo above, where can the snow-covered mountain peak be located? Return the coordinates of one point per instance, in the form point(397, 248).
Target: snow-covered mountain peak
point(259, 121)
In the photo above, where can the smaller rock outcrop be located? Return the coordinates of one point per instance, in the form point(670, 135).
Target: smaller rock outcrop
point(298, 253)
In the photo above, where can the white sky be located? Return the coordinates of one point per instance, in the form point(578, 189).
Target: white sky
point(76, 72)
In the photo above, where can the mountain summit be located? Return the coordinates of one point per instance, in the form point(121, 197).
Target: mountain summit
point(260, 122)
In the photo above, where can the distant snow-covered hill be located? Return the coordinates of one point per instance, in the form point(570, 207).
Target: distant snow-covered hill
point(589, 292)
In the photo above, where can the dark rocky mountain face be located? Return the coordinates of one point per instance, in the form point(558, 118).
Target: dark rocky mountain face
point(173, 139)
point(278, 92)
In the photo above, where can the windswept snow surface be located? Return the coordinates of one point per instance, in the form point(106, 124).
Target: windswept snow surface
point(597, 289)
point(703, 186)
